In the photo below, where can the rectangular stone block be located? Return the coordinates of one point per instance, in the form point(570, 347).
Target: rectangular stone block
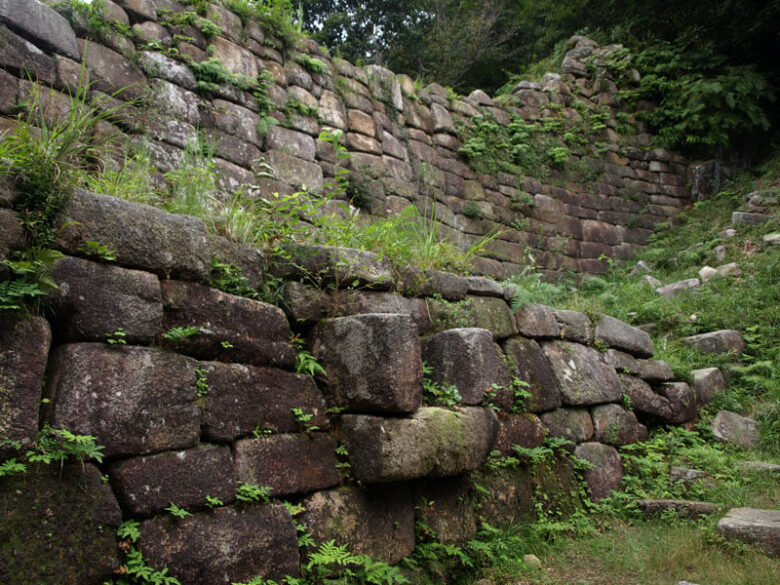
point(444, 506)
point(133, 400)
point(148, 485)
point(583, 376)
point(288, 464)
point(234, 328)
point(494, 315)
point(530, 365)
point(433, 442)
point(625, 337)
point(224, 546)
point(241, 399)
point(644, 400)
point(524, 430)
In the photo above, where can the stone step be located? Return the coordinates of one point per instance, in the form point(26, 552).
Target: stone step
point(760, 467)
point(754, 526)
point(684, 508)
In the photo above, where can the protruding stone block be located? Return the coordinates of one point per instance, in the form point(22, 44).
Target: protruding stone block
point(434, 442)
point(494, 315)
point(574, 424)
point(466, 358)
point(288, 464)
point(607, 468)
point(133, 400)
point(706, 382)
point(232, 327)
point(574, 326)
point(148, 485)
point(224, 546)
point(582, 375)
point(675, 289)
point(682, 401)
point(617, 426)
point(537, 321)
point(373, 362)
point(240, 399)
point(654, 371)
point(723, 341)
point(759, 527)
point(375, 520)
point(625, 337)
point(532, 367)
point(643, 399)
point(41, 24)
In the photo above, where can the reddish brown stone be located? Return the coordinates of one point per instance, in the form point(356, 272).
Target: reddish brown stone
point(617, 426)
point(607, 470)
point(524, 430)
point(531, 366)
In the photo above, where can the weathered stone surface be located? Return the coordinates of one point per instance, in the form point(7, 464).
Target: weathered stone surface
point(357, 302)
point(574, 326)
point(332, 110)
point(686, 476)
point(486, 287)
point(141, 236)
point(444, 506)
point(623, 336)
point(133, 400)
point(292, 142)
point(654, 371)
point(617, 426)
point(607, 468)
point(433, 442)
point(531, 366)
point(248, 259)
point(289, 464)
point(442, 120)
point(243, 398)
point(148, 485)
point(525, 430)
point(706, 382)
point(723, 341)
point(682, 401)
point(574, 424)
point(306, 304)
point(760, 467)
point(224, 546)
point(466, 358)
point(159, 65)
point(431, 282)
point(750, 218)
point(621, 361)
point(295, 171)
point(95, 300)
point(675, 289)
point(23, 58)
point(759, 527)
point(536, 320)
point(508, 496)
point(54, 519)
point(683, 508)
point(12, 234)
point(643, 399)
point(41, 24)
point(582, 375)
point(24, 347)
point(373, 362)
point(111, 73)
point(375, 520)
point(730, 427)
point(494, 315)
point(257, 332)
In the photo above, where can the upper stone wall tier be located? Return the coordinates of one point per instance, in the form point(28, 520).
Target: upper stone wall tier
point(579, 183)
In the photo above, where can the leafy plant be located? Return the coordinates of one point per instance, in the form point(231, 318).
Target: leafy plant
point(32, 278)
point(437, 393)
point(201, 382)
point(98, 250)
point(177, 512)
point(249, 492)
point(310, 63)
point(59, 445)
point(303, 419)
point(177, 334)
point(118, 337)
point(213, 502)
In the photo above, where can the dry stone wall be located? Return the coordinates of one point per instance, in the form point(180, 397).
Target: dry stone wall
point(185, 419)
point(600, 199)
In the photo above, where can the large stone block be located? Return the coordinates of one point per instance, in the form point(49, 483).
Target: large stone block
point(759, 527)
point(494, 315)
point(730, 427)
point(288, 464)
point(241, 399)
point(41, 24)
point(623, 336)
point(682, 401)
point(232, 327)
point(24, 59)
point(133, 400)
point(616, 426)
point(372, 361)
point(358, 302)
point(530, 365)
point(574, 326)
point(507, 496)
point(706, 382)
point(295, 171)
point(291, 142)
point(375, 520)
point(24, 348)
point(148, 485)
point(466, 358)
point(573, 424)
point(523, 430)
point(581, 373)
point(444, 507)
point(55, 519)
point(607, 468)
point(141, 236)
point(227, 545)
point(111, 73)
point(95, 300)
point(643, 400)
point(723, 341)
point(536, 320)
point(434, 442)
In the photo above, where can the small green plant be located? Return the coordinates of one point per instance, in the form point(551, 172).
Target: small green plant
point(177, 334)
point(98, 250)
point(310, 63)
point(249, 493)
point(177, 512)
point(343, 465)
point(213, 502)
point(201, 382)
point(32, 279)
point(437, 393)
point(306, 363)
point(134, 570)
point(226, 344)
point(303, 419)
point(118, 337)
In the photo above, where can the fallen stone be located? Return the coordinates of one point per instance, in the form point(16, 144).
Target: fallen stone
point(433, 442)
point(574, 424)
point(607, 470)
point(42, 25)
point(723, 341)
point(706, 382)
point(536, 320)
point(651, 281)
point(529, 364)
point(48, 514)
point(683, 508)
point(644, 400)
point(133, 400)
point(466, 358)
point(730, 427)
point(288, 464)
point(760, 467)
point(682, 401)
point(759, 527)
point(582, 375)
point(372, 361)
point(231, 327)
point(707, 273)
point(685, 475)
point(241, 399)
point(94, 300)
point(677, 288)
point(445, 508)
point(141, 236)
point(376, 520)
point(772, 239)
point(532, 561)
point(24, 349)
point(625, 337)
point(641, 267)
point(750, 218)
point(616, 426)
point(223, 546)
point(574, 326)
point(148, 485)
point(524, 430)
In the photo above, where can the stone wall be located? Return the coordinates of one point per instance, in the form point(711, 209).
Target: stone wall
point(190, 417)
point(404, 141)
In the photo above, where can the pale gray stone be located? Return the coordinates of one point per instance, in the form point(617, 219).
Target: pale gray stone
point(759, 527)
point(723, 341)
point(730, 427)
